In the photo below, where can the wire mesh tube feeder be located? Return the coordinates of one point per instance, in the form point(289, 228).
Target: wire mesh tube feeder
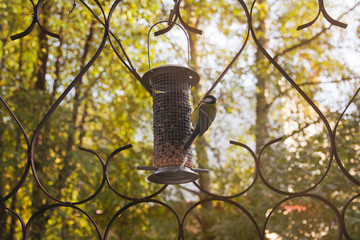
point(170, 85)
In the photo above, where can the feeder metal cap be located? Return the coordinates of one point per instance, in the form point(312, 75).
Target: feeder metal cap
point(194, 77)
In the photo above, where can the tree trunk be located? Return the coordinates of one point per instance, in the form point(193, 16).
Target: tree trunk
point(13, 220)
point(67, 168)
point(201, 144)
point(43, 55)
point(3, 57)
point(262, 122)
point(58, 63)
point(20, 63)
point(261, 111)
point(3, 217)
point(37, 198)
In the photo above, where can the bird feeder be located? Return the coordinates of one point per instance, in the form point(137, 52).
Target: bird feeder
point(170, 86)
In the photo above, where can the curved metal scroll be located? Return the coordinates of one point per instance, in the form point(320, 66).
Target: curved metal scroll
point(36, 20)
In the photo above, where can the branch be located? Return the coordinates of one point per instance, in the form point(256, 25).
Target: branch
point(307, 84)
point(81, 127)
point(91, 85)
point(307, 41)
point(302, 43)
point(335, 81)
point(190, 190)
point(127, 64)
point(300, 129)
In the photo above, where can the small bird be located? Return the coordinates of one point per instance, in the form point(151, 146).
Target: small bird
point(202, 118)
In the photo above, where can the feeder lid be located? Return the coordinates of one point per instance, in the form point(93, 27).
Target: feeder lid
point(173, 175)
point(194, 77)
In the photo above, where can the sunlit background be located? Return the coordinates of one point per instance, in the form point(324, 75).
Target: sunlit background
point(109, 108)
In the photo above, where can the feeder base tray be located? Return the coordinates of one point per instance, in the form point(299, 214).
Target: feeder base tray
point(173, 175)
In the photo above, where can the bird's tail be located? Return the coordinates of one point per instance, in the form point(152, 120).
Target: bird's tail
point(191, 138)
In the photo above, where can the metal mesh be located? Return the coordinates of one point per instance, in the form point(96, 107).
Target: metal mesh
point(171, 119)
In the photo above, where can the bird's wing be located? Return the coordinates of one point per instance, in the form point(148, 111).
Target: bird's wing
point(195, 116)
point(204, 121)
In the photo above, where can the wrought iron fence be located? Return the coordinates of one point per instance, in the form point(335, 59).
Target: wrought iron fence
point(258, 175)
